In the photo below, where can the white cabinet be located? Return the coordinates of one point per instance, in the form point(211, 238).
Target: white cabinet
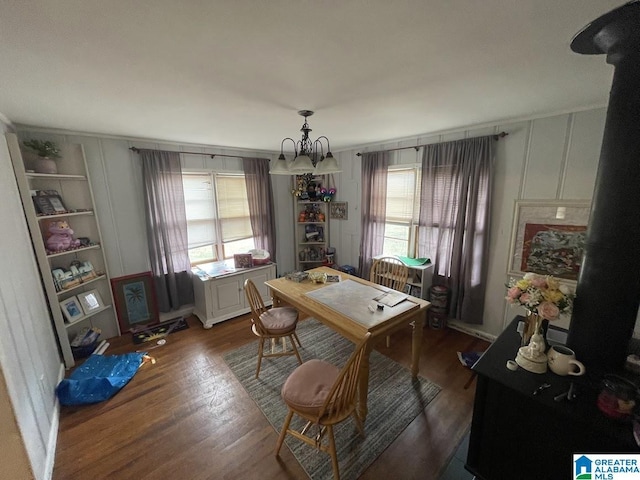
point(219, 290)
point(77, 265)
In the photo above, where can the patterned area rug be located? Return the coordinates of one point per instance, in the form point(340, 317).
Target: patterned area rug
point(395, 399)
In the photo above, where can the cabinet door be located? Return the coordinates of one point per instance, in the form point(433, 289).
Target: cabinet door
point(227, 294)
point(258, 277)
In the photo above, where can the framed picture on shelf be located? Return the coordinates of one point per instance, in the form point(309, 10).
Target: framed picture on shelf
point(71, 309)
point(90, 301)
point(548, 237)
point(49, 204)
point(135, 301)
point(339, 210)
point(243, 260)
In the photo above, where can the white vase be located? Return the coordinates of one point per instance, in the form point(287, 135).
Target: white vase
point(45, 165)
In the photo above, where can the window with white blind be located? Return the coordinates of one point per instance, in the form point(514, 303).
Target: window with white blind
point(402, 210)
point(218, 221)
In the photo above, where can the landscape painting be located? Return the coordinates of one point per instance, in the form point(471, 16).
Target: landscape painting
point(556, 250)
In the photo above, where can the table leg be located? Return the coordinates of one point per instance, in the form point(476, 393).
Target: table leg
point(418, 326)
point(363, 386)
point(276, 302)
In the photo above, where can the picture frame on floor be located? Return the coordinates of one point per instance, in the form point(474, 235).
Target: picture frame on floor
point(135, 301)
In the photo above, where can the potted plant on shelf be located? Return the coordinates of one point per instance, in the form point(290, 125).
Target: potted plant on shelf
point(47, 152)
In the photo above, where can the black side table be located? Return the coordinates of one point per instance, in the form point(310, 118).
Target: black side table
point(515, 434)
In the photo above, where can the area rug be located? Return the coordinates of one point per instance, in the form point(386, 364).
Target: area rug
point(395, 399)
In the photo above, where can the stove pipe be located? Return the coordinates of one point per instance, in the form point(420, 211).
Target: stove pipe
point(608, 289)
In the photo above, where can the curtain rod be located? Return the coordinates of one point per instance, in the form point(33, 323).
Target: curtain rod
point(211, 155)
point(497, 136)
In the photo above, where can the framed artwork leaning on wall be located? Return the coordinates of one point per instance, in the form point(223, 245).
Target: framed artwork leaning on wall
point(135, 301)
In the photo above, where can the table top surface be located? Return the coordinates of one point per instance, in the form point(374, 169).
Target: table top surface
point(344, 305)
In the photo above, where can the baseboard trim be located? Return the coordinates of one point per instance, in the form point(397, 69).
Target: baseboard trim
point(53, 432)
point(464, 328)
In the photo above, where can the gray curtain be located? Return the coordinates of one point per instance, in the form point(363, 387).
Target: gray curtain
point(455, 208)
point(260, 196)
point(167, 228)
point(374, 205)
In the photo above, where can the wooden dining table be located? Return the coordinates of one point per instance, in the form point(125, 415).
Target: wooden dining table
point(349, 308)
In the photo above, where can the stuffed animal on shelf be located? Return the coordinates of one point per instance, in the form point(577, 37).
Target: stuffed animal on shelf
point(61, 237)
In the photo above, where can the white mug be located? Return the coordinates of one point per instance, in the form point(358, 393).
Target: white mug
point(562, 361)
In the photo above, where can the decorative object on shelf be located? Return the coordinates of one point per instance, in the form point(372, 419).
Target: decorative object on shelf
point(135, 300)
point(260, 256)
point(243, 260)
point(309, 155)
point(71, 309)
point(47, 152)
point(61, 237)
point(78, 273)
point(339, 210)
point(304, 184)
point(311, 213)
point(85, 342)
point(49, 204)
point(90, 301)
point(327, 194)
point(544, 298)
point(548, 237)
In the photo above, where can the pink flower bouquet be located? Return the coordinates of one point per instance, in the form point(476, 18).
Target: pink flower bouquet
point(542, 295)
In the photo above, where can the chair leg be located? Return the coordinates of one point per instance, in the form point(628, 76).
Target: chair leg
point(333, 453)
point(295, 349)
point(358, 421)
point(260, 352)
point(388, 341)
point(283, 432)
point(295, 335)
point(470, 381)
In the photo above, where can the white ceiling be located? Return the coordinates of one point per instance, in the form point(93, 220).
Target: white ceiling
point(235, 72)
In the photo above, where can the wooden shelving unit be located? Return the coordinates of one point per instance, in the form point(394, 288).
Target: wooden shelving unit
point(311, 229)
point(73, 185)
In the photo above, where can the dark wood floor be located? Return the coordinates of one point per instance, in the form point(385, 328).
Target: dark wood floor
point(187, 417)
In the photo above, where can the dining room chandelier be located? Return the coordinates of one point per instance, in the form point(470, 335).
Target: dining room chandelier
point(309, 156)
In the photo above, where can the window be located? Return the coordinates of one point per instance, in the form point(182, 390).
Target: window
point(218, 221)
point(403, 206)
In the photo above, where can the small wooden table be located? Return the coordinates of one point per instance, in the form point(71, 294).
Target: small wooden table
point(347, 315)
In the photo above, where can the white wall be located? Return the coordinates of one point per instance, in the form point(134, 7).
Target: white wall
point(30, 364)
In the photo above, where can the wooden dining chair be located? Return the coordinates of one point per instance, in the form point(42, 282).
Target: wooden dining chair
point(278, 323)
point(391, 273)
point(323, 395)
